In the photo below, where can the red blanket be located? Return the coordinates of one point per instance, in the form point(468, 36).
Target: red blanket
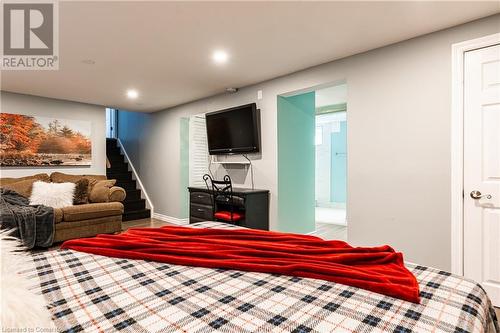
point(378, 269)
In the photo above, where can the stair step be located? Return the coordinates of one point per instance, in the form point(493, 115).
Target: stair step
point(115, 151)
point(126, 184)
point(119, 175)
point(118, 168)
point(136, 215)
point(133, 195)
point(132, 205)
point(116, 159)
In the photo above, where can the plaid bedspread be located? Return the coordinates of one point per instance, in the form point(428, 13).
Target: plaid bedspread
point(93, 293)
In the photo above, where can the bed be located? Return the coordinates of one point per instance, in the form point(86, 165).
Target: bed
point(91, 293)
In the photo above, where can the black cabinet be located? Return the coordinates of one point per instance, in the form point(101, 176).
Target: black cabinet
point(254, 204)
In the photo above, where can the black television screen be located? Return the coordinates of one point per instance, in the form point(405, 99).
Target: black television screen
point(233, 131)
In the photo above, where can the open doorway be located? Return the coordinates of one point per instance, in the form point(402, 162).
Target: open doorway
point(312, 161)
point(331, 161)
point(111, 123)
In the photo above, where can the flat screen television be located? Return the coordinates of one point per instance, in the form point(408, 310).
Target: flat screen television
point(234, 130)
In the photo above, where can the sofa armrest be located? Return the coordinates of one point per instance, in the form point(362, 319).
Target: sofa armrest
point(117, 194)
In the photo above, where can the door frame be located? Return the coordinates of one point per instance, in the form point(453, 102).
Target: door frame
point(457, 145)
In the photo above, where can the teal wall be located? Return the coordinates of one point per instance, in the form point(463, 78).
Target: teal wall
point(184, 167)
point(296, 158)
point(338, 171)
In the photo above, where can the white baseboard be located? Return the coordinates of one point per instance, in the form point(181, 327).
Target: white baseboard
point(149, 203)
point(170, 219)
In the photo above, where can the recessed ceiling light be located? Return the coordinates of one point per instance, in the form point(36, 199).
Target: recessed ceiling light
point(132, 93)
point(220, 57)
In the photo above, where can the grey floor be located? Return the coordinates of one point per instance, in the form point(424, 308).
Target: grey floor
point(144, 223)
point(323, 230)
point(331, 231)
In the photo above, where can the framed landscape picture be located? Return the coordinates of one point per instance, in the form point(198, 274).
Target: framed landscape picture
point(40, 141)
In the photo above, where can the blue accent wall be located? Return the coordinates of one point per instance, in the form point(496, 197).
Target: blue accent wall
point(338, 172)
point(132, 128)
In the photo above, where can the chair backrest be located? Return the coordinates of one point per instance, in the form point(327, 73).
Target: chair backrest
point(221, 189)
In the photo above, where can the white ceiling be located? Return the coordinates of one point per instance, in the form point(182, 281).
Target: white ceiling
point(163, 49)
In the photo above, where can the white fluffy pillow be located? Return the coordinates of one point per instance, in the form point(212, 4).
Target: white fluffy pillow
point(56, 195)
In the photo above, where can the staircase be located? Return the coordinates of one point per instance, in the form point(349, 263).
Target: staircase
point(135, 206)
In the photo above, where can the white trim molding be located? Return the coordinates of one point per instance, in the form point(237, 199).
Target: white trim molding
point(170, 219)
point(149, 203)
point(457, 144)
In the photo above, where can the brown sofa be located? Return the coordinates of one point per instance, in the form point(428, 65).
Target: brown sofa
point(102, 214)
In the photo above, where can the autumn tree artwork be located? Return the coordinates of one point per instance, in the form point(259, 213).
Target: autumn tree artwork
point(41, 141)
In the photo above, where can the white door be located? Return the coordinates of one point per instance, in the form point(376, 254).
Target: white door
point(482, 169)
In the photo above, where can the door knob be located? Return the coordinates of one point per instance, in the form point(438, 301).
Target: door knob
point(477, 195)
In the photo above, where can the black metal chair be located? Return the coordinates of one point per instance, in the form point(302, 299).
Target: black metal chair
point(223, 202)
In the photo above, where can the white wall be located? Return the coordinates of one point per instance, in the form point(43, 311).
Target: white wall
point(48, 107)
point(399, 101)
point(331, 95)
